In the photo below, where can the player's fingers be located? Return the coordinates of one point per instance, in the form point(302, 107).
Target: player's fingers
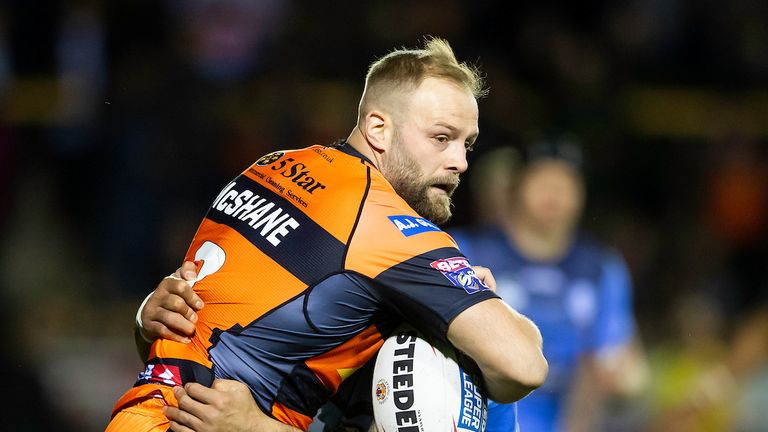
point(177, 304)
point(194, 410)
point(175, 427)
point(190, 297)
point(155, 330)
point(485, 275)
point(181, 290)
point(203, 394)
point(176, 322)
point(180, 421)
point(188, 270)
point(174, 414)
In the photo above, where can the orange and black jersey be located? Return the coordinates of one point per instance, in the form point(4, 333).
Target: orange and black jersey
point(306, 261)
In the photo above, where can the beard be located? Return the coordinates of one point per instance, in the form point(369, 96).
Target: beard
point(405, 175)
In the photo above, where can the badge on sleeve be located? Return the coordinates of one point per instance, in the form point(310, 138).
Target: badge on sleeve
point(460, 273)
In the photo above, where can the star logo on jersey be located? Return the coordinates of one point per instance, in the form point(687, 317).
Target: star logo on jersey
point(269, 159)
point(460, 273)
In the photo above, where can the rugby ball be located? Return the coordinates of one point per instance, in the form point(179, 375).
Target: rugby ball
point(419, 387)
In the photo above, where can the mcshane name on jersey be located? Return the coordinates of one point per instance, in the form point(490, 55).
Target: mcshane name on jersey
point(265, 217)
point(402, 382)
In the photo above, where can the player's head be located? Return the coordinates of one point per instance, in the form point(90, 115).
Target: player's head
point(551, 189)
point(419, 113)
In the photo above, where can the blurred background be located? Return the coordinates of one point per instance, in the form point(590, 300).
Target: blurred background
point(121, 120)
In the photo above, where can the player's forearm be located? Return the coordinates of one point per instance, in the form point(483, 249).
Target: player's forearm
point(507, 350)
point(526, 371)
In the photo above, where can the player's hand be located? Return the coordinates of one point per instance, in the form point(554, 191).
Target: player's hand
point(169, 312)
point(485, 275)
point(226, 406)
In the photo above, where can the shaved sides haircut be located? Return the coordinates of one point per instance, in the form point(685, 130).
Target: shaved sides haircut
point(401, 71)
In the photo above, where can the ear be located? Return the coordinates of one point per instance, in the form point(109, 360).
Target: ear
point(377, 130)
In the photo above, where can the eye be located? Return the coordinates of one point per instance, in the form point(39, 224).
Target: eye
point(442, 139)
point(469, 145)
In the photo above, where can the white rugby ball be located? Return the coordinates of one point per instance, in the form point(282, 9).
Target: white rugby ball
point(419, 387)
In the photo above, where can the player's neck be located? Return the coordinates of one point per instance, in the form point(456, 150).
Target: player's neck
point(538, 244)
point(358, 142)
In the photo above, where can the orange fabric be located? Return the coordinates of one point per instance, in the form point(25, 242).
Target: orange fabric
point(337, 364)
point(141, 409)
point(378, 244)
point(339, 172)
point(290, 417)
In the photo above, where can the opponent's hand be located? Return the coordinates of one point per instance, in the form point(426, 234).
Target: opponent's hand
point(226, 406)
point(170, 311)
point(485, 275)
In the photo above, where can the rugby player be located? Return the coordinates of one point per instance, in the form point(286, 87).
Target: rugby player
point(309, 258)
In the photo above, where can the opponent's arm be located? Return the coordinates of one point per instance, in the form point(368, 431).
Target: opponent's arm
point(506, 346)
point(169, 311)
point(227, 406)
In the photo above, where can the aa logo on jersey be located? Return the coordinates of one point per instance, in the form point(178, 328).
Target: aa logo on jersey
point(270, 158)
point(410, 225)
point(460, 273)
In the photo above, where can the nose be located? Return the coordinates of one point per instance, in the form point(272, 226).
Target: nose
point(457, 159)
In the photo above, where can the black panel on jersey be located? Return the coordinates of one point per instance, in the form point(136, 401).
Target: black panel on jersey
point(308, 252)
point(424, 296)
point(302, 391)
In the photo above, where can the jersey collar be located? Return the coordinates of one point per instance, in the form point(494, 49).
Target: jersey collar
point(345, 147)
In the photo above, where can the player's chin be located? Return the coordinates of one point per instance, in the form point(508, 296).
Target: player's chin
point(440, 209)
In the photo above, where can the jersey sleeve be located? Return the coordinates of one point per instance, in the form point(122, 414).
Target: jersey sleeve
point(414, 267)
point(431, 289)
point(614, 325)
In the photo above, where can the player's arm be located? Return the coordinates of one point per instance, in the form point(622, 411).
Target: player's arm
point(615, 365)
point(506, 346)
point(617, 358)
point(169, 311)
point(226, 406)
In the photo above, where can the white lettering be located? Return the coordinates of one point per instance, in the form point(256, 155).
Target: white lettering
point(221, 194)
point(257, 214)
point(282, 231)
point(244, 195)
point(248, 207)
point(272, 222)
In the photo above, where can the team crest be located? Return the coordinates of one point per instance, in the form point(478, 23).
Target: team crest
point(269, 159)
point(382, 391)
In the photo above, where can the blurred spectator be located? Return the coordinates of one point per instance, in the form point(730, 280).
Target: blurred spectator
point(736, 210)
point(576, 290)
point(708, 379)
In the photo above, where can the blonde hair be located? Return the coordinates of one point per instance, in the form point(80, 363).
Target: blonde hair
point(402, 71)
